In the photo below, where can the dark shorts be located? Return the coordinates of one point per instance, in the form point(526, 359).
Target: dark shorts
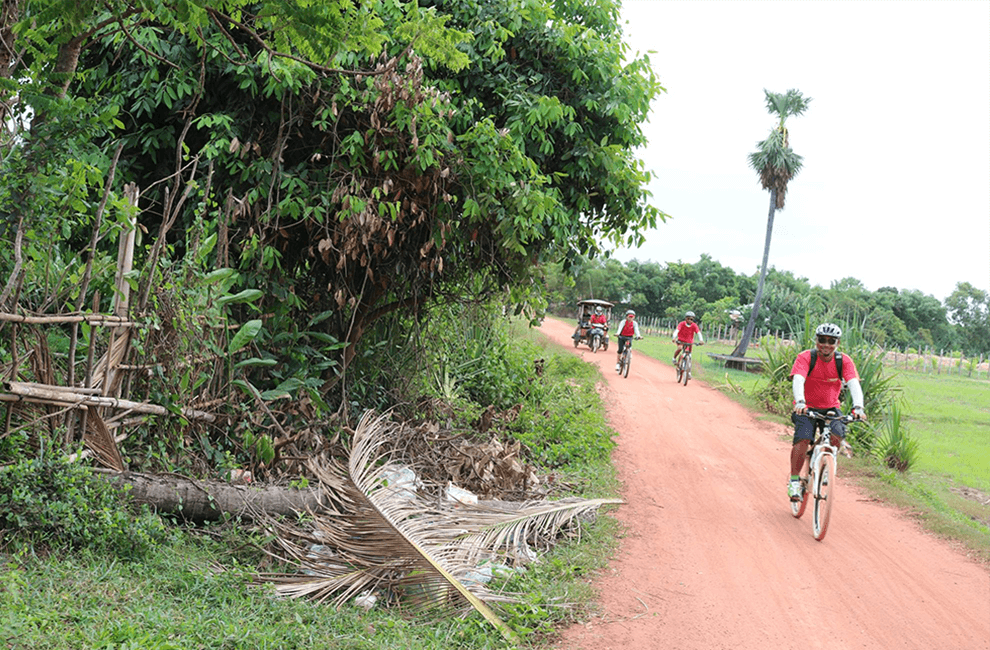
point(623, 342)
point(804, 427)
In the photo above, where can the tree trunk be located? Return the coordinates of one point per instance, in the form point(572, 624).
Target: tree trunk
point(203, 500)
point(740, 350)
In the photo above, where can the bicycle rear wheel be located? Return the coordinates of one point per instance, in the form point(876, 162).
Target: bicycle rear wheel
point(824, 494)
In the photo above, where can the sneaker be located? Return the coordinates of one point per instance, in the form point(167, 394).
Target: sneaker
point(794, 490)
point(618, 367)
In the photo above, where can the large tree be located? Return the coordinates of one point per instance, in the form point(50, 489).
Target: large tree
point(776, 164)
point(969, 311)
point(349, 160)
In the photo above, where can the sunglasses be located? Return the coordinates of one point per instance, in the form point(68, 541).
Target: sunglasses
point(829, 340)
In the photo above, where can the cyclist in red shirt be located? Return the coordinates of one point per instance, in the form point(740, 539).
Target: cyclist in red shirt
point(684, 334)
point(819, 390)
point(628, 330)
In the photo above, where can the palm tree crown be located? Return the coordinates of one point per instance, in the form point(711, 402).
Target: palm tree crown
point(775, 161)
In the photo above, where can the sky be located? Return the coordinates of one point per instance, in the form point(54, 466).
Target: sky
point(895, 186)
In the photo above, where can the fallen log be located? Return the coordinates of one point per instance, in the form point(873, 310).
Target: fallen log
point(199, 500)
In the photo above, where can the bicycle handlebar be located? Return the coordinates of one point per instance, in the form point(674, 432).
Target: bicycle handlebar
point(829, 416)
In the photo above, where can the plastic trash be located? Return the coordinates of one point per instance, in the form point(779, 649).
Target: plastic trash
point(366, 600)
point(460, 495)
point(402, 480)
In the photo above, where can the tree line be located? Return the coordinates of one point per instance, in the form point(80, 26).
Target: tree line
point(888, 316)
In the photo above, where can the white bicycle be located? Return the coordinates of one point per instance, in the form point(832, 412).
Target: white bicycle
point(819, 471)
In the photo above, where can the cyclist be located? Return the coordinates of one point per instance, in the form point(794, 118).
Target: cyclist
point(627, 331)
point(819, 389)
point(684, 334)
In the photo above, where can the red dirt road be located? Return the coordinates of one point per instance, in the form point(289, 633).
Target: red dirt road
point(712, 558)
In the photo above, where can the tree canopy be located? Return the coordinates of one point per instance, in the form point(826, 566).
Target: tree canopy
point(346, 160)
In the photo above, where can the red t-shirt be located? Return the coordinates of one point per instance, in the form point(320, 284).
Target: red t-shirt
point(686, 331)
point(822, 388)
point(599, 318)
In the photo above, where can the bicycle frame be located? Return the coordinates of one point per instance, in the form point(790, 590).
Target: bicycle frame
point(821, 467)
point(683, 366)
point(626, 360)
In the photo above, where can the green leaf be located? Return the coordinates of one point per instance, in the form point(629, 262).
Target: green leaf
point(248, 295)
point(254, 362)
point(245, 335)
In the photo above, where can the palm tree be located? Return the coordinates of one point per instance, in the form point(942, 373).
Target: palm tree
point(777, 164)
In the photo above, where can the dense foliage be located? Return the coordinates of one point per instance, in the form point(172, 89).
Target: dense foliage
point(345, 160)
point(49, 503)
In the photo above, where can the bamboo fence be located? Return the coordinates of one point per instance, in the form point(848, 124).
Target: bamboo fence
point(94, 402)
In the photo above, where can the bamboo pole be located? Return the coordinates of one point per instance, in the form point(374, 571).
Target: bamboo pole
point(54, 319)
point(34, 392)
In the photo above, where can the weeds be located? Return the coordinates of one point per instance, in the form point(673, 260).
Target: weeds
point(893, 447)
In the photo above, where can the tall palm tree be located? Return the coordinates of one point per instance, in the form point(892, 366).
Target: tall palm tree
point(777, 164)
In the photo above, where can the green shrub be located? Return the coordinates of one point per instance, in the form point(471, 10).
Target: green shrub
point(893, 447)
point(57, 504)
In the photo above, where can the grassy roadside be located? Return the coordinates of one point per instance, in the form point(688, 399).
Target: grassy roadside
point(947, 492)
point(194, 589)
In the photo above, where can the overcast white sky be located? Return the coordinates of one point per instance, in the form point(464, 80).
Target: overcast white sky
point(895, 188)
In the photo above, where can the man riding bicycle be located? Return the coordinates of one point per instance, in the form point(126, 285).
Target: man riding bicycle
point(684, 335)
point(627, 331)
point(816, 384)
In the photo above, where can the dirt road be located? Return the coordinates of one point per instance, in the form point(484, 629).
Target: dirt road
point(712, 558)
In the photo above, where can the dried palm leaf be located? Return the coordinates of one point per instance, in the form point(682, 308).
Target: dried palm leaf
point(385, 537)
point(98, 438)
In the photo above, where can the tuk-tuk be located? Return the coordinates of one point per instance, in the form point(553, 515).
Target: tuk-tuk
point(594, 335)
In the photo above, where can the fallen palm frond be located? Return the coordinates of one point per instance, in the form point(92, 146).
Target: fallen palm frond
point(386, 538)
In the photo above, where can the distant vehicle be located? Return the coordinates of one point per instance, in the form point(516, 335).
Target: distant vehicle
point(594, 336)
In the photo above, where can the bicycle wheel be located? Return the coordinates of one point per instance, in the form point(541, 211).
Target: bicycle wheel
point(797, 507)
point(626, 362)
point(824, 494)
point(686, 372)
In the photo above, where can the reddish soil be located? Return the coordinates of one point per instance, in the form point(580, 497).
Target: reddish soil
point(711, 557)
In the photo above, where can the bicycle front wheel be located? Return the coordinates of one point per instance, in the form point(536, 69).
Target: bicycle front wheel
point(797, 507)
point(686, 372)
point(824, 494)
point(626, 362)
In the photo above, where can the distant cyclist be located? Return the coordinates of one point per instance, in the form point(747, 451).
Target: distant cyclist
point(627, 332)
point(685, 333)
point(819, 389)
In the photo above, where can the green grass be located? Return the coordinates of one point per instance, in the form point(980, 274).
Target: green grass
point(712, 371)
point(193, 594)
point(950, 419)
